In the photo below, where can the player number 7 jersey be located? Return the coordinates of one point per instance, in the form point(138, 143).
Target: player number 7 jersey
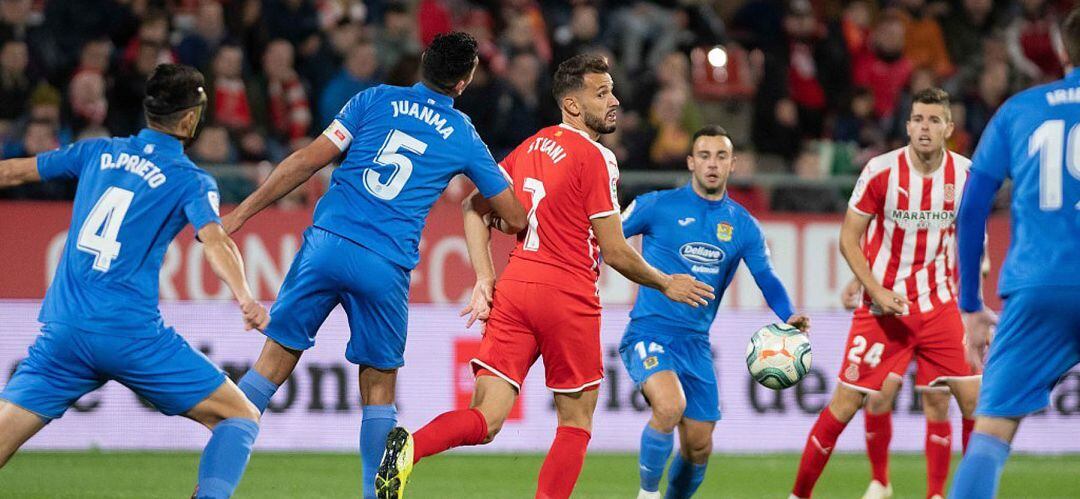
point(565, 180)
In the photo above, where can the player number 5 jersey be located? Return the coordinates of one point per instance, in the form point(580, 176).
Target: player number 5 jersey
point(564, 179)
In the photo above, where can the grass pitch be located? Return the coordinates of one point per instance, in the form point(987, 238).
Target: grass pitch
point(273, 475)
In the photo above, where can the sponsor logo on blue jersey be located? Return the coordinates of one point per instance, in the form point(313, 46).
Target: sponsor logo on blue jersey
point(701, 253)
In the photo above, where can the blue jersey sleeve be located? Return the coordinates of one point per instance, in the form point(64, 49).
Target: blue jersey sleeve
point(636, 216)
point(970, 232)
point(482, 169)
point(347, 123)
point(66, 162)
point(201, 202)
point(755, 253)
point(992, 154)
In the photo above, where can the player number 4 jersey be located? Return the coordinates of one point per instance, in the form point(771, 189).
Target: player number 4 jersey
point(910, 244)
point(564, 179)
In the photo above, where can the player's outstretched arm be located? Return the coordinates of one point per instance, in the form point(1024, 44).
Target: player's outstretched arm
point(289, 174)
point(225, 260)
point(852, 230)
point(503, 210)
point(475, 212)
point(628, 262)
point(18, 171)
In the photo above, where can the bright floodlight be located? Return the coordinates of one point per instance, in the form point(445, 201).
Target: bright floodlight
point(718, 57)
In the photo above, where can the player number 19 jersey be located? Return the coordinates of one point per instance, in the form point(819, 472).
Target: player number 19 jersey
point(564, 179)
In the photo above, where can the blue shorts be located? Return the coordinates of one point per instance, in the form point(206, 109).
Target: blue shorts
point(66, 363)
point(687, 354)
point(374, 292)
point(1037, 342)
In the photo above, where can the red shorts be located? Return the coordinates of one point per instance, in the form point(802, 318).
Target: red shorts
point(880, 346)
point(529, 320)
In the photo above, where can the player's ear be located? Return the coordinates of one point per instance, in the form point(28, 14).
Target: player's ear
point(570, 105)
point(949, 128)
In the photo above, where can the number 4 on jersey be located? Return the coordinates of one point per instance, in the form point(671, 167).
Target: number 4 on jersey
point(98, 233)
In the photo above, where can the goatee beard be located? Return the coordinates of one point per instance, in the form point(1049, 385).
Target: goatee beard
point(598, 125)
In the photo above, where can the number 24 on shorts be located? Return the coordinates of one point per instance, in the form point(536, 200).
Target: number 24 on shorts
point(858, 347)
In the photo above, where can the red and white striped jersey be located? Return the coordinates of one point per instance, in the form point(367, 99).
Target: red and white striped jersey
point(565, 180)
point(910, 244)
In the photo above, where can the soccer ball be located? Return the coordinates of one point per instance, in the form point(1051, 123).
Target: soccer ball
point(778, 356)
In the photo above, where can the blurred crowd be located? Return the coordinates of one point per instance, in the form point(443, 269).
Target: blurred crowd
point(808, 88)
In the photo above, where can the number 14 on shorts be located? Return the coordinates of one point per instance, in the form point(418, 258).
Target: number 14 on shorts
point(649, 361)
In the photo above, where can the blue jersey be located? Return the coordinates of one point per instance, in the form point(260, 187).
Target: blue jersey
point(1034, 139)
point(684, 233)
point(402, 146)
point(135, 194)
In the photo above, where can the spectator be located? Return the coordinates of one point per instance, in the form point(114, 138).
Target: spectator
point(857, 127)
point(967, 27)
point(197, 48)
point(476, 101)
point(672, 138)
point(129, 87)
point(40, 136)
point(357, 75)
point(296, 21)
point(960, 140)
point(86, 95)
point(244, 21)
point(15, 83)
point(526, 30)
point(154, 30)
point(45, 105)
point(808, 195)
point(517, 106)
point(480, 24)
point(579, 35)
point(1034, 42)
point(71, 23)
point(924, 42)
point(229, 104)
point(883, 68)
point(213, 146)
point(855, 25)
point(15, 25)
point(980, 105)
point(95, 57)
point(286, 101)
point(397, 37)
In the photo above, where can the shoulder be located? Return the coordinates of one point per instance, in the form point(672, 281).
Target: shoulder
point(743, 215)
point(960, 160)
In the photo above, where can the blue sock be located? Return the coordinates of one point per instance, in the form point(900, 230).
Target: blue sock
point(684, 478)
point(257, 388)
point(980, 470)
point(655, 451)
point(378, 421)
point(225, 457)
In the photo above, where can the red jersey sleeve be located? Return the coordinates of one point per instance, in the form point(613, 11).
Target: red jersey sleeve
point(868, 197)
point(599, 187)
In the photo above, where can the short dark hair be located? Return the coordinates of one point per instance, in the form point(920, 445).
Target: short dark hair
point(1070, 35)
point(708, 131)
point(933, 95)
point(171, 90)
point(449, 59)
point(571, 73)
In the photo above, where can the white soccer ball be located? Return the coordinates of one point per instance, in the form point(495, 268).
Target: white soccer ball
point(778, 356)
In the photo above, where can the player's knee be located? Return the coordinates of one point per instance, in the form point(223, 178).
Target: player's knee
point(845, 403)
point(878, 404)
point(247, 410)
point(699, 450)
point(935, 405)
point(668, 412)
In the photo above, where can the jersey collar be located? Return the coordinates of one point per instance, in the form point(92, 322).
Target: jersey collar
point(163, 140)
point(431, 94)
point(689, 188)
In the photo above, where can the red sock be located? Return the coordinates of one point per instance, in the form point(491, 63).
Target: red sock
point(819, 446)
point(969, 425)
point(938, 453)
point(449, 430)
point(878, 436)
point(563, 463)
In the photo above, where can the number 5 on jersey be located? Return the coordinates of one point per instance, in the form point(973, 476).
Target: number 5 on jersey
point(98, 233)
point(388, 155)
